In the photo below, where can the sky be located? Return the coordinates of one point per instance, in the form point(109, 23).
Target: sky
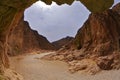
point(55, 22)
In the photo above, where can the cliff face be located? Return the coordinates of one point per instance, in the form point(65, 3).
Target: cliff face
point(11, 12)
point(62, 42)
point(99, 29)
point(100, 33)
point(100, 37)
point(96, 45)
point(23, 39)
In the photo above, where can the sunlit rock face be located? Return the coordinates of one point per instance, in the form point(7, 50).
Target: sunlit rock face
point(100, 28)
point(11, 12)
point(100, 38)
point(96, 44)
point(22, 39)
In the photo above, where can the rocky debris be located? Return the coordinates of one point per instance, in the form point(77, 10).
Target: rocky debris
point(12, 75)
point(97, 41)
point(109, 62)
point(11, 11)
point(87, 65)
point(10, 14)
point(23, 39)
point(62, 42)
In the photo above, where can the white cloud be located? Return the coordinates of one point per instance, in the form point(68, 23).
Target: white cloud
point(55, 22)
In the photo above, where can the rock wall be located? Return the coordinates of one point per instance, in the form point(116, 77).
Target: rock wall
point(9, 11)
point(10, 14)
point(96, 45)
point(100, 37)
point(99, 29)
point(23, 39)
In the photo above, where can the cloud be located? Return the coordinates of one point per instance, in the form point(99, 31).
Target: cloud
point(55, 22)
point(115, 2)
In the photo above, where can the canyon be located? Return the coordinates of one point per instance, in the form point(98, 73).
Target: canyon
point(34, 68)
point(22, 39)
point(96, 43)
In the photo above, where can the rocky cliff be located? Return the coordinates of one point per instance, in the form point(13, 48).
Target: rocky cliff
point(11, 12)
point(99, 39)
point(23, 39)
point(62, 42)
point(96, 45)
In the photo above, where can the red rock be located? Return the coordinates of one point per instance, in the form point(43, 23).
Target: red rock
point(23, 39)
point(97, 40)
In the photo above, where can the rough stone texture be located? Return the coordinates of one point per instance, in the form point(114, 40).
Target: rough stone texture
point(9, 11)
point(97, 40)
point(10, 14)
point(62, 42)
point(100, 32)
point(88, 65)
point(23, 39)
point(12, 75)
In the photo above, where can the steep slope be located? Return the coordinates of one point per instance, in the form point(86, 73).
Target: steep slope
point(99, 39)
point(23, 39)
point(11, 12)
point(62, 42)
point(96, 45)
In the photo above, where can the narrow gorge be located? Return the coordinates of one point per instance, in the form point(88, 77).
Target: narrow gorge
point(95, 47)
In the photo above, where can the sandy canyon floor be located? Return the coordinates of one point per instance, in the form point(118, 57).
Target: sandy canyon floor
point(31, 67)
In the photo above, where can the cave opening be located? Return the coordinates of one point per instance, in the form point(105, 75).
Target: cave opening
point(29, 60)
point(56, 22)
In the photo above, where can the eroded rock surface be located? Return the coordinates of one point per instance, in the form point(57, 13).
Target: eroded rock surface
point(11, 12)
point(97, 41)
point(23, 39)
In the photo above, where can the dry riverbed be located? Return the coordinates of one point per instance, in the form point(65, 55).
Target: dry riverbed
point(31, 67)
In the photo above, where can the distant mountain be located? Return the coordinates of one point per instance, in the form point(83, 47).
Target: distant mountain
point(24, 39)
point(62, 42)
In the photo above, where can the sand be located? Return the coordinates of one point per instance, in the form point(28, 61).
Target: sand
point(34, 68)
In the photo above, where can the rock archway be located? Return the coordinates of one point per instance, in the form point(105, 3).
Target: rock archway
point(11, 12)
